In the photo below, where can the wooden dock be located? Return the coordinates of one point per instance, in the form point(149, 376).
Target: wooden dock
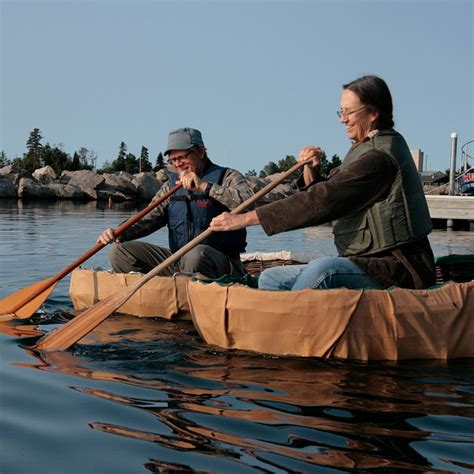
point(451, 207)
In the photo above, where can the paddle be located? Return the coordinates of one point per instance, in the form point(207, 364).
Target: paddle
point(77, 328)
point(23, 303)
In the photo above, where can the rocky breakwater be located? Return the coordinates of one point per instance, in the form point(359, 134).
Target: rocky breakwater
point(85, 185)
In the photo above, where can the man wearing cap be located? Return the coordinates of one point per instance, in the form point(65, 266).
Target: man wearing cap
point(208, 190)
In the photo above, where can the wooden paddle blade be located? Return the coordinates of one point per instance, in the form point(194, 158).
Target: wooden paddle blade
point(77, 328)
point(14, 306)
point(25, 302)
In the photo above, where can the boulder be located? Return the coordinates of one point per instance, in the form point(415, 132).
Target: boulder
point(30, 189)
point(147, 185)
point(125, 174)
point(256, 183)
point(86, 180)
point(112, 195)
point(14, 173)
point(279, 192)
point(162, 175)
point(66, 176)
point(119, 186)
point(13, 169)
point(7, 188)
point(44, 175)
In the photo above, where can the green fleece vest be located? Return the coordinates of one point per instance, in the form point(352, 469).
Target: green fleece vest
point(402, 217)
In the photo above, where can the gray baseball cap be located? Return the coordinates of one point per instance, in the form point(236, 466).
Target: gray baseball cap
point(183, 139)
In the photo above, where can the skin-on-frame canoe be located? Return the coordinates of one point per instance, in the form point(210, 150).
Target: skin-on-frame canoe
point(165, 297)
point(393, 324)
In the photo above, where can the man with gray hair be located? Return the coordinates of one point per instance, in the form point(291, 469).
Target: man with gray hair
point(208, 190)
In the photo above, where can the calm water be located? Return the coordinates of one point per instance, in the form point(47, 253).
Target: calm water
point(154, 398)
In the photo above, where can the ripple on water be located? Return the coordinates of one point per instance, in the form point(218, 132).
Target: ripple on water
point(149, 395)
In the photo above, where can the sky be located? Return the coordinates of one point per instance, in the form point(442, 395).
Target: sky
point(260, 79)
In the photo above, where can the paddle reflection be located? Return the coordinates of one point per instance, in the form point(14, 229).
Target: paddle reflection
point(18, 329)
point(250, 411)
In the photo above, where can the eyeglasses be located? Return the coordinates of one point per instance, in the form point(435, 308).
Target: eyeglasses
point(183, 157)
point(341, 113)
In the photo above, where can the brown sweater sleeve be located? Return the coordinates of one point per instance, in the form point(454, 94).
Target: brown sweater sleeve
point(347, 191)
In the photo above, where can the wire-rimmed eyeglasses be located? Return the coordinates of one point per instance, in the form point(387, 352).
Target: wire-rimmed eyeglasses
point(344, 113)
point(183, 157)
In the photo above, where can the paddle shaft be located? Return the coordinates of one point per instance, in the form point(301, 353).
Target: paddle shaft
point(204, 235)
point(117, 232)
point(81, 325)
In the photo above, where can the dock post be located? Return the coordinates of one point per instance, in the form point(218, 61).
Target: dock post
point(452, 172)
point(452, 169)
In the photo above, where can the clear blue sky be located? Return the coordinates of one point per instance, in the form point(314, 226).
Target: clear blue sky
point(260, 79)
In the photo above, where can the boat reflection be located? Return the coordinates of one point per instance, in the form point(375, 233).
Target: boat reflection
point(266, 413)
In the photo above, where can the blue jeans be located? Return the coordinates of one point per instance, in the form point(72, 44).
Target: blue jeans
point(322, 273)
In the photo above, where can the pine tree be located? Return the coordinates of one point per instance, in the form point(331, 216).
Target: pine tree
point(250, 173)
point(119, 163)
point(33, 144)
point(32, 158)
point(4, 161)
point(327, 166)
point(269, 169)
point(144, 161)
point(160, 163)
point(131, 163)
point(76, 162)
point(286, 163)
point(57, 158)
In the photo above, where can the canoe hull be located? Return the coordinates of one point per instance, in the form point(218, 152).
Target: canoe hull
point(163, 297)
point(350, 324)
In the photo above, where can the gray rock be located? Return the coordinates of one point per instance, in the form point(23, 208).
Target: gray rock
point(279, 192)
point(14, 173)
point(66, 176)
point(13, 169)
point(7, 188)
point(256, 183)
point(147, 185)
point(119, 186)
point(30, 189)
point(86, 180)
point(45, 175)
point(162, 175)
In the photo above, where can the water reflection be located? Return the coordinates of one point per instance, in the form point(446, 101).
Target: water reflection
point(267, 413)
point(154, 392)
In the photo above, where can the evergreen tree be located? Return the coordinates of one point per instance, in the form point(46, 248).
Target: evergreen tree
point(160, 163)
point(131, 163)
point(32, 158)
point(4, 161)
point(250, 173)
point(327, 166)
point(119, 163)
point(144, 161)
point(76, 162)
point(269, 169)
point(17, 162)
point(55, 157)
point(286, 163)
point(33, 144)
